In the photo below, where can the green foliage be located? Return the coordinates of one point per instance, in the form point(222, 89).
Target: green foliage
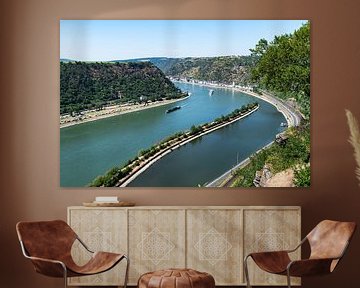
point(260, 48)
point(85, 85)
point(295, 153)
point(302, 176)
point(97, 182)
point(195, 129)
point(284, 66)
point(245, 176)
point(110, 178)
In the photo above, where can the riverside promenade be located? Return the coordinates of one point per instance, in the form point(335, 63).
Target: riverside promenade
point(293, 118)
point(110, 111)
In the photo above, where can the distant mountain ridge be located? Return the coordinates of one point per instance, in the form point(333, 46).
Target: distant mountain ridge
point(224, 69)
point(66, 60)
point(163, 63)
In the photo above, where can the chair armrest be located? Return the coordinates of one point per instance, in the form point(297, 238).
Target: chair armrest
point(271, 261)
point(280, 251)
point(83, 244)
point(309, 267)
point(48, 267)
point(298, 246)
point(268, 253)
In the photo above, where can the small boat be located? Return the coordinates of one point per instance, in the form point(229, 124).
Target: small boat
point(284, 124)
point(211, 92)
point(173, 109)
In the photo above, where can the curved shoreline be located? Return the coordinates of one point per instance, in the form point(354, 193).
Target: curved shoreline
point(161, 154)
point(292, 117)
point(118, 111)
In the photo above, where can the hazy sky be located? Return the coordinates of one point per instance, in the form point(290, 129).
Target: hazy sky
point(103, 40)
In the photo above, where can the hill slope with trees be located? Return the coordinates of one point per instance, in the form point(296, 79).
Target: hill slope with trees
point(86, 85)
point(283, 66)
point(223, 69)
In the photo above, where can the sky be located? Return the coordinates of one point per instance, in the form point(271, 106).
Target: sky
point(106, 40)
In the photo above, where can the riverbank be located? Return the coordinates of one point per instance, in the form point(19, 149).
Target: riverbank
point(293, 117)
point(110, 111)
point(228, 176)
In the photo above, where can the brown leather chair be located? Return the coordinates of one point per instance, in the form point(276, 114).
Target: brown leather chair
point(328, 242)
point(48, 245)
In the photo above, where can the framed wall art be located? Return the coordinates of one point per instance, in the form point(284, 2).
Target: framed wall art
point(185, 103)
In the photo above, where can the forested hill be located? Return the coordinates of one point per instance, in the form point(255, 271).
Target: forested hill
point(86, 85)
point(284, 66)
point(224, 69)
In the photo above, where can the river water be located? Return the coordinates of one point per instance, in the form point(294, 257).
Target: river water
point(90, 149)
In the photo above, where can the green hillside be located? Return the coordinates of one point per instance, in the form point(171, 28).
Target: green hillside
point(224, 69)
point(86, 85)
point(284, 66)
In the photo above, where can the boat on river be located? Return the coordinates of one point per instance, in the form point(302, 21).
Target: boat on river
point(173, 109)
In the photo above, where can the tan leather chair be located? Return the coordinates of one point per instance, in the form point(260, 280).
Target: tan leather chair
point(328, 242)
point(48, 245)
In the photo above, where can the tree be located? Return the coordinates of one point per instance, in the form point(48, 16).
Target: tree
point(284, 66)
point(260, 48)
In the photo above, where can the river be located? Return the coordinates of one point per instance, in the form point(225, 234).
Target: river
point(90, 149)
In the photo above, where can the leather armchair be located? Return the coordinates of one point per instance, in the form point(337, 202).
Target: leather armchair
point(328, 243)
point(48, 245)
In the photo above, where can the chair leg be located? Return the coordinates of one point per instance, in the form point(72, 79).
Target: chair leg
point(288, 278)
point(246, 270)
point(126, 271)
point(65, 276)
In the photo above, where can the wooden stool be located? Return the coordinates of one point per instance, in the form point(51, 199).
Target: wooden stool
point(176, 278)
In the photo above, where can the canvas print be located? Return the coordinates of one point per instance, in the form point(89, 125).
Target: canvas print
point(185, 103)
